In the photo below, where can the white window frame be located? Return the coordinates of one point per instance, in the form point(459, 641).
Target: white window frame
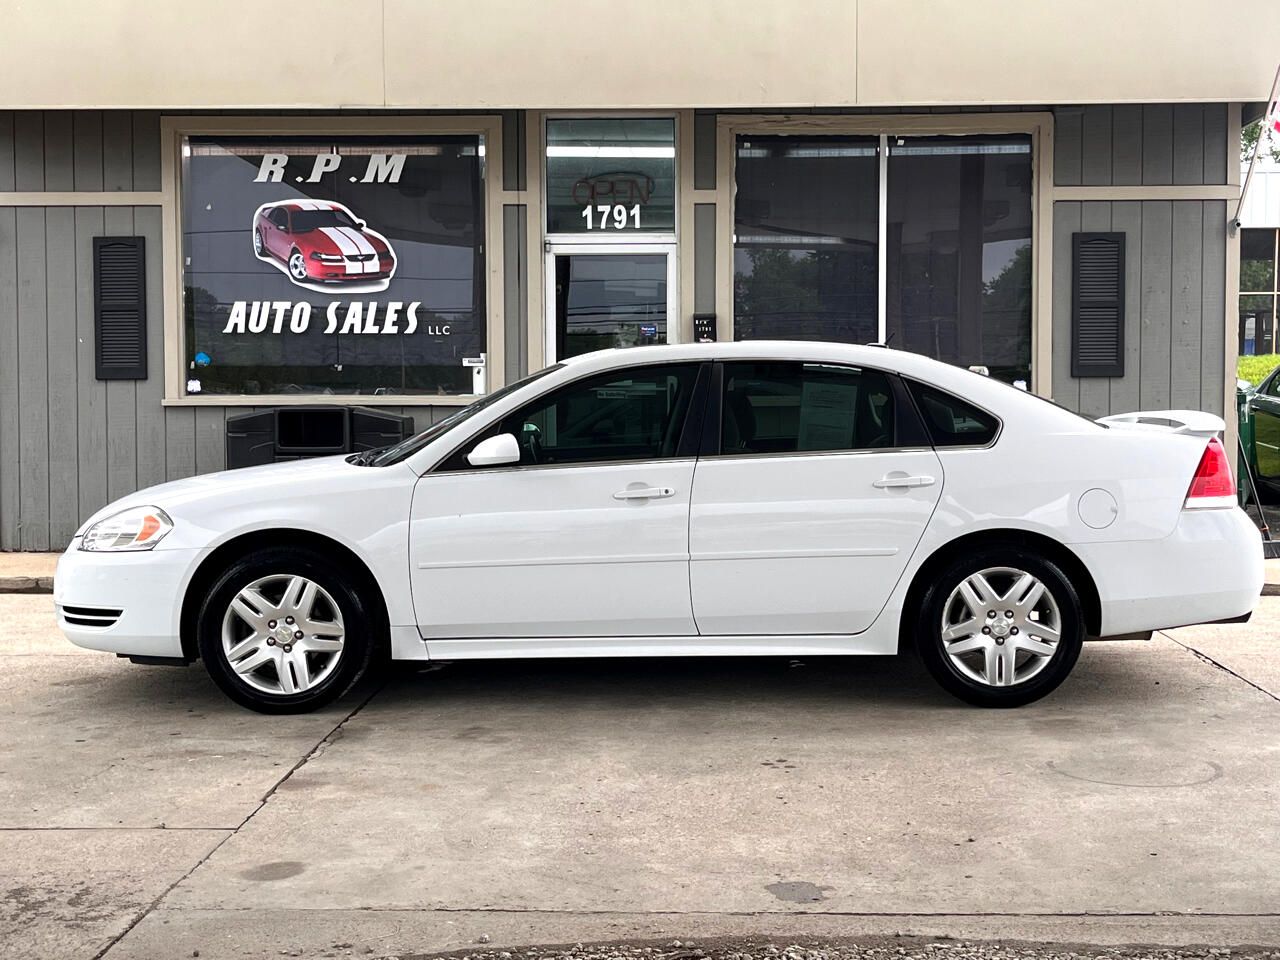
point(1039, 126)
point(174, 129)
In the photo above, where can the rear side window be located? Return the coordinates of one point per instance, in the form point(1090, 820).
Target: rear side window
point(792, 407)
point(952, 422)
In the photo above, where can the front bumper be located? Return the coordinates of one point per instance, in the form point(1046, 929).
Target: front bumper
point(1210, 569)
point(146, 588)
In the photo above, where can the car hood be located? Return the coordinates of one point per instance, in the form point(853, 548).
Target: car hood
point(276, 485)
point(337, 240)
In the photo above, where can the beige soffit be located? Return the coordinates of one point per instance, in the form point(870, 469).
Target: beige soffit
point(1084, 51)
point(590, 54)
point(162, 53)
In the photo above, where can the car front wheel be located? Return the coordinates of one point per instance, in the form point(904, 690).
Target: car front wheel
point(1001, 627)
point(297, 266)
point(284, 631)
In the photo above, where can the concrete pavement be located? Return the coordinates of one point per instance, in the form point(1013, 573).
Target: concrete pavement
point(145, 816)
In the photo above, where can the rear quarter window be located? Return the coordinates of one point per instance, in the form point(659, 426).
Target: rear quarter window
point(950, 421)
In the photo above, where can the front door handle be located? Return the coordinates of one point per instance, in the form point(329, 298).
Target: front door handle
point(897, 482)
point(645, 493)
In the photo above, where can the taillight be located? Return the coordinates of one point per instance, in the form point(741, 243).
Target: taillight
point(1213, 485)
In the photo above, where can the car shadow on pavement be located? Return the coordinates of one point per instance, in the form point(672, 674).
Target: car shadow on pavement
point(828, 682)
point(822, 682)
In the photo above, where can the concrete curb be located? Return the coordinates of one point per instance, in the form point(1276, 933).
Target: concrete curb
point(26, 584)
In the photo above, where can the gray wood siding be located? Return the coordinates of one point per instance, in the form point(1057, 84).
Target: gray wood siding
point(1175, 283)
point(1155, 143)
point(80, 150)
point(69, 443)
point(1175, 288)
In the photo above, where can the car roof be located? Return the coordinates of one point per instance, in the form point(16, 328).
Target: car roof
point(867, 355)
point(303, 205)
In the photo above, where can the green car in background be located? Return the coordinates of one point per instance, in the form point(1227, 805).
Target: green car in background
point(1259, 411)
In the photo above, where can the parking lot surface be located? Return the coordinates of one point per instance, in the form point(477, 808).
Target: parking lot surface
point(516, 803)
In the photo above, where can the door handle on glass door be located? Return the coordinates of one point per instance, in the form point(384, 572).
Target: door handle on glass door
point(645, 493)
point(899, 480)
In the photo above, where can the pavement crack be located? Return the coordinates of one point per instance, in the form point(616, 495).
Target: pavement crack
point(1221, 666)
point(317, 750)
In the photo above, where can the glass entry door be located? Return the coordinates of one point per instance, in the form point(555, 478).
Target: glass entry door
point(601, 296)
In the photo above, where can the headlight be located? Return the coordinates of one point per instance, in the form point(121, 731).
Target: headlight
point(138, 528)
point(326, 257)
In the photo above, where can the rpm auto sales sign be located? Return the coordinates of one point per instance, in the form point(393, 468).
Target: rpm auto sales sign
point(358, 317)
point(322, 246)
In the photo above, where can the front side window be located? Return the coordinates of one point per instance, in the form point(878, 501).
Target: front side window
point(634, 414)
point(333, 265)
point(792, 407)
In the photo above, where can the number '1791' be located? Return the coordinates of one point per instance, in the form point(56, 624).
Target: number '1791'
point(611, 216)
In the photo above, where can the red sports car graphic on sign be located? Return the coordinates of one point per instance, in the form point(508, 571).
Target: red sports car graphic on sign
point(317, 243)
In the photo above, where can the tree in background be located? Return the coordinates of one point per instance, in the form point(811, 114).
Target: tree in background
point(1249, 136)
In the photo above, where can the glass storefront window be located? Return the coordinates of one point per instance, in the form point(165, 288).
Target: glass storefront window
point(1259, 283)
point(333, 265)
point(1257, 324)
point(611, 175)
point(806, 238)
point(1258, 261)
point(957, 232)
point(959, 251)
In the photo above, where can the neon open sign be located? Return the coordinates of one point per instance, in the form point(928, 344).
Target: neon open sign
point(612, 201)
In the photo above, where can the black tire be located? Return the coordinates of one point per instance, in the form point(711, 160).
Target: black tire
point(939, 599)
point(344, 589)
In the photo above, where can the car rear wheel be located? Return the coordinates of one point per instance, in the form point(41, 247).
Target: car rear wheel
point(258, 245)
point(1001, 627)
point(284, 631)
point(297, 265)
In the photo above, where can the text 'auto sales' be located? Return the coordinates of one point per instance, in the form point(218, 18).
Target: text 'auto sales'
point(359, 317)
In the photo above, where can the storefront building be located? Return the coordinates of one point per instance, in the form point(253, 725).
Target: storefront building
point(304, 216)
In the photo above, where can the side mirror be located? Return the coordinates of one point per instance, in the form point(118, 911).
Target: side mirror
point(360, 224)
point(495, 452)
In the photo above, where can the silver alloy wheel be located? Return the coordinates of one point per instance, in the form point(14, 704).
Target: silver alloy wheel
point(283, 634)
point(297, 266)
point(257, 242)
point(1001, 626)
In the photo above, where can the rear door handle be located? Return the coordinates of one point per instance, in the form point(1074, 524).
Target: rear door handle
point(892, 482)
point(645, 493)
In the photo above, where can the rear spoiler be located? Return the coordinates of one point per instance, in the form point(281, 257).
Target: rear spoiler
point(1195, 423)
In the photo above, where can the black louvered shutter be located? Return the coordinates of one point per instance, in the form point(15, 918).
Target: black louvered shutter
point(1097, 305)
point(120, 308)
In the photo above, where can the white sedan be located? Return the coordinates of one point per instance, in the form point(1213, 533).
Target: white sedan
point(791, 499)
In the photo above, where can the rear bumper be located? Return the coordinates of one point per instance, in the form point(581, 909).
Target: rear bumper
point(126, 603)
point(1209, 569)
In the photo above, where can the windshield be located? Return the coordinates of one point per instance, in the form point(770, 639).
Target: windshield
point(305, 221)
point(407, 448)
